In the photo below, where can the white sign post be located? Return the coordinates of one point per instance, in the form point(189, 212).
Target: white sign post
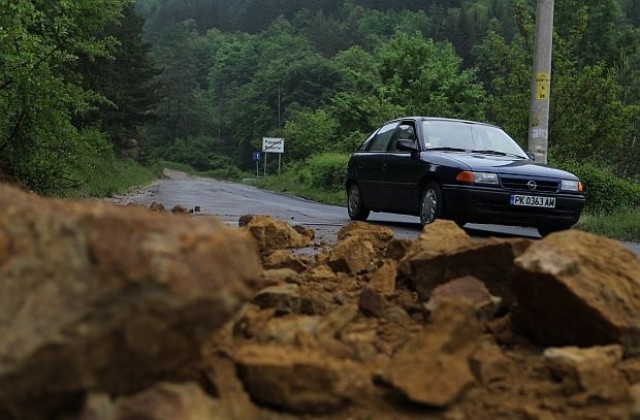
point(272, 145)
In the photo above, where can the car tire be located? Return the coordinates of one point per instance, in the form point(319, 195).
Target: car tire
point(355, 205)
point(431, 203)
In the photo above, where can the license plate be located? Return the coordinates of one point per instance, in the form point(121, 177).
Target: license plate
point(533, 201)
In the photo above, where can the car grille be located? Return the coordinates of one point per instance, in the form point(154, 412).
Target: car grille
point(521, 184)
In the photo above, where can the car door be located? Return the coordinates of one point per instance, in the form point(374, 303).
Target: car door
point(370, 167)
point(402, 171)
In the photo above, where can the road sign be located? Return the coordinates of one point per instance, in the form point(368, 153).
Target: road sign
point(272, 145)
point(255, 156)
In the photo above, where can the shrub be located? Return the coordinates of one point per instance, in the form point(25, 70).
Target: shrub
point(205, 155)
point(328, 170)
point(604, 191)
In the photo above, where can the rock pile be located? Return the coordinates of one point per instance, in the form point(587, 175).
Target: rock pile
point(112, 313)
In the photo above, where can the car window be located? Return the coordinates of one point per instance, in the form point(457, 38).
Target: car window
point(492, 138)
point(469, 136)
point(380, 142)
point(448, 134)
point(405, 131)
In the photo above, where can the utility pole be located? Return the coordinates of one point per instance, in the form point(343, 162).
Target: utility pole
point(541, 82)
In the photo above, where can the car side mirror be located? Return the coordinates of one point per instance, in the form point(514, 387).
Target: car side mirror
point(532, 156)
point(407, 145)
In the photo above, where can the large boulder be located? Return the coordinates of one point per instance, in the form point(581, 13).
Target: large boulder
point(445, 252)
point(591, 371)
point(272, 235)
point(574, 288)
point(353, 255)
point(433, 368)
point(379, 236)
point(96, 297)
point(292, 379)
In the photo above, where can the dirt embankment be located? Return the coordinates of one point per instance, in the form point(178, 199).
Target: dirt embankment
point(111, 312)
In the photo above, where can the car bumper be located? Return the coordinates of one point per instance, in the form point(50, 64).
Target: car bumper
point(486, 205)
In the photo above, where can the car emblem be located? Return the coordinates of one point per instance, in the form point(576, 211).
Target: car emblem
point(532, 185)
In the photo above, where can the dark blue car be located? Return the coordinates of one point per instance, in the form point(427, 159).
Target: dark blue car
point(460, 170)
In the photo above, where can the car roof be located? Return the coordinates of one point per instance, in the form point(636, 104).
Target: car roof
point(422, 118)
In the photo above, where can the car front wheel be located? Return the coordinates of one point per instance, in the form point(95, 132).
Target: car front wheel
point(431, 203)
point(355, 205)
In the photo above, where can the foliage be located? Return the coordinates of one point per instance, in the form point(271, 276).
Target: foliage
point(202, 154)
point(127, 79)
point(328, 170)
point(589, 119)
point(308, 133)
point(96, 172)
point(39, 40)
point(622, 223)
point(604, 191)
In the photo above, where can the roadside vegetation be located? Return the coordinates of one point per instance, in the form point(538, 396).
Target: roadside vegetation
point(94, 94)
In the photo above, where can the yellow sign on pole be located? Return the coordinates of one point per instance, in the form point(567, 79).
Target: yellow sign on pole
point(542, 85)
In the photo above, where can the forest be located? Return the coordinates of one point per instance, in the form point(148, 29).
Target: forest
point(85, 83)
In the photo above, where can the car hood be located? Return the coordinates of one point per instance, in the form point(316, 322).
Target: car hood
point(508, 165)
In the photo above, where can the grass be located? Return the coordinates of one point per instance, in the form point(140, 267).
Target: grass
point(290, 185)
point(622, 224)
point(105, 178)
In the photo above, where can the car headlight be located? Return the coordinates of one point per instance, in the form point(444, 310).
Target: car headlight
point(478, 177)
point(566, 185)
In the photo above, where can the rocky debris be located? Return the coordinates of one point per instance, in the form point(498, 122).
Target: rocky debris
point(378, 236)
point(371, 327)
point(489, 364)
point(305, 232)
point(470, 289)
point(284, 259)
point(433, 368)
point(397, 248)
point(272, 235)
point(99, 297)
point(634, 395)
point(163, 401)
point(444, 252)
point(575, 288)
point(296, 380)
point(288, 298)
point(178, 209)
point(590, 371)
point(353, 255)
point(383, 279)
point(157, 207)
point(370, 302)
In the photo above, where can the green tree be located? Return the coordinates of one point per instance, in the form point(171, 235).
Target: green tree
point(589, 119)
point(426, 78)
point(40, 93)
point(310, 133)
point(127, 79)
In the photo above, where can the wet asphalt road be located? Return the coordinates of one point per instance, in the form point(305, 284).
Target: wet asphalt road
point(229, 201)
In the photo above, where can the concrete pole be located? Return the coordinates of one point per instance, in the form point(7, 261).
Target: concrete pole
point(541, 82)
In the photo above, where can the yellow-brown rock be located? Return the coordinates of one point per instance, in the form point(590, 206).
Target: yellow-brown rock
point(575, 288)
point(271, 234)
point(164, 401)
point(353, 255)
point(96, 296)
point(433, 368)
point(444, 252)
point(378, 236)
point(292, 379)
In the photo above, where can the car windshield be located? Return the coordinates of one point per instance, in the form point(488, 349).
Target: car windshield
point(469, 137)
